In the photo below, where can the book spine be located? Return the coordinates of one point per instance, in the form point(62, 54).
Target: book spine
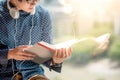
point(48, 47)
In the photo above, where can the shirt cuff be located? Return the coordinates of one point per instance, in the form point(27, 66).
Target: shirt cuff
point(55, 67)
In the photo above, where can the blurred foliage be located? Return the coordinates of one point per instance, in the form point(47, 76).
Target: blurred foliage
point(82, 52)
point(100, 28)
point(86, 51)
point(114, 52)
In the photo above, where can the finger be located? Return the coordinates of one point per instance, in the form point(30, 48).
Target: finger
point(58, 54)
point(22, 53)
point(69, 51)
point(26, 58)
point(28, 54)
point(65, 53)
point(61, 53)
point(55, 53)
point(23, 46)
point(20, 57)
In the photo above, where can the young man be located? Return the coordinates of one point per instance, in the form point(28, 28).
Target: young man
point(24, 23)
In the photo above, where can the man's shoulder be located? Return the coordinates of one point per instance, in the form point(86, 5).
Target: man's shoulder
point(2, 3)
point(41, 9)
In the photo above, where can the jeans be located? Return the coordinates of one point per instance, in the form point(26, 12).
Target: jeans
point(29, 69)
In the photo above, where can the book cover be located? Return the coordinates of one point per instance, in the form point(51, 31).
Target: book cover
point(42, 50)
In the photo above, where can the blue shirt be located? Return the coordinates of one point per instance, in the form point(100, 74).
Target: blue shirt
point(15, 32)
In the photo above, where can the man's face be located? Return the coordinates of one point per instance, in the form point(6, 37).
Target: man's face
point(25, 5)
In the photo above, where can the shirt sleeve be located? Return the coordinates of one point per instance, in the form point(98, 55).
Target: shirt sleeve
point(46, 27)
point(3, 57)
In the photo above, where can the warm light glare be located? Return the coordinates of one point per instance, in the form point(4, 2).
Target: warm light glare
point(69, 43)
point(68, 9)
point(91, 7)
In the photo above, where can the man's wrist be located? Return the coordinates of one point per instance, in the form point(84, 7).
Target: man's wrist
point(9, 54)
point(54, 63)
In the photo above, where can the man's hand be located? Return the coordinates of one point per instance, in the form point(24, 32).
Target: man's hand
point(19, 53)
point(61, 54)
point(103, 41)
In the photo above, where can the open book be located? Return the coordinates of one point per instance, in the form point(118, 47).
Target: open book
point(45, 51)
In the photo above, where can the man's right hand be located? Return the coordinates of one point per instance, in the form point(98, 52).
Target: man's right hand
point(18, 53)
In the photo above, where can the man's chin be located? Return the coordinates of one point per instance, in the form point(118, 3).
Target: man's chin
point(29, 11)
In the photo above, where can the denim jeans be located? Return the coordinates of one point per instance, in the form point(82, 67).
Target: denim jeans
point(29, 69)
